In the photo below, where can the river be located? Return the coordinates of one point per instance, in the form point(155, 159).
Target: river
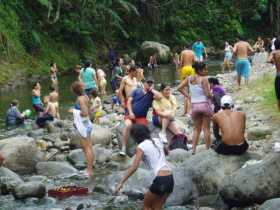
point(165, 74)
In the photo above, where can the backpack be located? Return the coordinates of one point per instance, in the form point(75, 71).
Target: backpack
point(179, 141)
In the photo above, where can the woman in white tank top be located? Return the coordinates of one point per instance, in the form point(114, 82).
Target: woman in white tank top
point(151, 151)
point(197, 88)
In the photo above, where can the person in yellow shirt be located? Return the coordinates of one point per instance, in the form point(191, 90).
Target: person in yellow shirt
point(96, 106)
point(164, 112)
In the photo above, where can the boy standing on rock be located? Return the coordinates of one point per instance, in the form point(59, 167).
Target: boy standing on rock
point(275, 59)
point(232, 125)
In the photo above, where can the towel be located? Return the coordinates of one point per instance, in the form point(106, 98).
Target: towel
point(82, 124)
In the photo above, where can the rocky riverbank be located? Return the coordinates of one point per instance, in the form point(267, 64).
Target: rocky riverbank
point(37, 160)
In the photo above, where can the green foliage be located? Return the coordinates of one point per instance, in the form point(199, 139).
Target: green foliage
point(39, 30)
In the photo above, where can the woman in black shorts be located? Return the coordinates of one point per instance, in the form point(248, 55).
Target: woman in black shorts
point(151, 151)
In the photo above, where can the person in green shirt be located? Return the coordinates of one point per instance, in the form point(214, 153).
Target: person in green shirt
point(117, 74)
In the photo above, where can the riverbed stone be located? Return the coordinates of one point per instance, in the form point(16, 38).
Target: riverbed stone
point(254, 183)
point(53, 168)
point(21, 154)
point(257, 133)
point(178, 156)
point(99, 135)
point(30, 190)
point(149, 48)
point(272, 204)
point(8, 180)
point(36, 133)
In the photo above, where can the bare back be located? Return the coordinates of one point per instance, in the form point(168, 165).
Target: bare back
point(276, 59)
point(130, 85)
point(242, 49)
point(187, 58)
point(232, 125)
point(53, 96)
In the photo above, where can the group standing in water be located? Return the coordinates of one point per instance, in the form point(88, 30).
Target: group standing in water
point(205, 102)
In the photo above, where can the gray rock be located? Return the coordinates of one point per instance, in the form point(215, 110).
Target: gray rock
point(30, 190)
point(37, 178)
point(21, 154)
point(257, 133)
point(149, 48)
point(36, 133)
point(99, 135)
point(178, 156)
point(8, 180)
point(272, 204)
point(53, 168)
point(103, 155)
point(253, 184)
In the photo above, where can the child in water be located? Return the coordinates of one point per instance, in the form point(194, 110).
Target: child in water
point(96, 106)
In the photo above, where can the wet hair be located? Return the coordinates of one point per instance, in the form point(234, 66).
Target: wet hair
point(14, 102)
point(117, 61)
point(87, 64)
point(141, 133)
point(132, 68)
point(227, 106)
point(277, 43)
point(94, 92)
point(77, 88)
point(163, 86)
point(199, 66)
point(214, 81)
point(52, 88)
point(35, 84)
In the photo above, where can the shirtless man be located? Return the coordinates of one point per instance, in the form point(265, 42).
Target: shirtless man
point(53, 95)
point(241, 50)
point(232, 126)
point(128, 84)
point(186, 61)
point(275, 59)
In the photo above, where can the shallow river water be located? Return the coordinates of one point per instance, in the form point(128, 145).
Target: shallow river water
point(97, 200)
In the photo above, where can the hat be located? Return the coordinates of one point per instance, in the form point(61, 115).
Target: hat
point(149, 80)
point(226, 99)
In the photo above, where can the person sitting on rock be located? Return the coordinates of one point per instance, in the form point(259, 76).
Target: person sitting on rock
point(138, 105)
point(164, 112)
point(232, 126)
point(50, 113)
point(13, 115)
point(151, 151)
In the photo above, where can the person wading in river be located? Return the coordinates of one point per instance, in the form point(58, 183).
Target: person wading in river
point(186, 61)
point(241, 50)
point(151, 151)
point(232, 126)
point(275, 59)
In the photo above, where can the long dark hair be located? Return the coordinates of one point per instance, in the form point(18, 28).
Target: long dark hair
point(141, 133)
point(198, 67)
point(86, 64)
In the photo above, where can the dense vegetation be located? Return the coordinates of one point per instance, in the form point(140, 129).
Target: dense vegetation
point(34, 32)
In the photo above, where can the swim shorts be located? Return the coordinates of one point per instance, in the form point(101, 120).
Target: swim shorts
point(224, 149)
point(38, 108)
point(243, 67)
point(277, 86)
point(138, 120)
point(199, 109)
point(162, 185)
point(186, 71)
point(228, 56)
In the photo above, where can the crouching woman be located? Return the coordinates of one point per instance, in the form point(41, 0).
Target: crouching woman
point(151, 151)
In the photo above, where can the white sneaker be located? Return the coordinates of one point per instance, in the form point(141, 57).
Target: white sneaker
point(189, 146)
point(163, 137)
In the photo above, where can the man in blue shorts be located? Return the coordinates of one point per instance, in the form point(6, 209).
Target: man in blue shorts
point(241, 50)
point(138, 105)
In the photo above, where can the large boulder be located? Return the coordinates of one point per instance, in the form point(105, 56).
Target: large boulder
point(53, 168)
point(8, 180)
point(30, 190)
point(271, 204)
point(21, 154)
point(149, 48)
point(99, 135)
point(256, 133)
point(254, 183)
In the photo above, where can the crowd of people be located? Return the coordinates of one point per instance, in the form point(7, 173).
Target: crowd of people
point(205, 101)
